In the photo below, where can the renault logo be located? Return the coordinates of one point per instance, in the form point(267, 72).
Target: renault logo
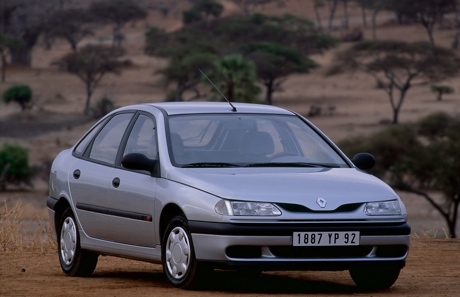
point(321, 202)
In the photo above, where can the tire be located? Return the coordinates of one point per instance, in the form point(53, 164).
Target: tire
point(74, 261)
point(374, 278)
point(178, 257)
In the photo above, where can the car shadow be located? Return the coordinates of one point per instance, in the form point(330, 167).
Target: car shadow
point(237, 282)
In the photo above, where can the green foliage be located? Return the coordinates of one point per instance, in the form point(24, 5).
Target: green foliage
point(14, 166)
point(20, 94)
point(235, 77)
point(422, 158)
point(275, 62)
point(441, 90)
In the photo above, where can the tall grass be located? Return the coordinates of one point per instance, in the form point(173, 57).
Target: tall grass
point(19, 232)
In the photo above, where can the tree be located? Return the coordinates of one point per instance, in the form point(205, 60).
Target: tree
point(6, 44)
point(71, 24)
point(375, 6)
point(426, 12)
point(118, 13)
point(316, 5)
point(20, 94)
point(185, 73)
point(421, 158)
point(23, 20)
point(274, 63)
point(397, 66)
point(235, 78)
point(90, 64)
point(441, 90)
point(203, 9)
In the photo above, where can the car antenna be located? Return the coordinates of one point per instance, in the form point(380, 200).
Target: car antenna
point(233, 107)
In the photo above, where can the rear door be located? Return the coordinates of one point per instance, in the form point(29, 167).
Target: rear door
point(90, 175)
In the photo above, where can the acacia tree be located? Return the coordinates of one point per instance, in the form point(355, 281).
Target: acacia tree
point(426, 12)
point(421, 158)
point(118, 13)
point(274, 63)
point(184, 71)
point(397, 66)
point(72, 25)
point(90, 64)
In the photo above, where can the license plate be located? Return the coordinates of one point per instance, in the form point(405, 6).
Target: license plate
point(325, 238)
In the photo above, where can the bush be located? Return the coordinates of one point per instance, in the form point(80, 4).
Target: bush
point(14, 166)
point(21, 94)
point(102, 107)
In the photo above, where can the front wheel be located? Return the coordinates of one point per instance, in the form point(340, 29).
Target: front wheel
point(73, 260)
point(179, 264)
point(374, 278)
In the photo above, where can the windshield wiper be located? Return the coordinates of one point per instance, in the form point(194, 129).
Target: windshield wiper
point(293, 164)
point(210, 164)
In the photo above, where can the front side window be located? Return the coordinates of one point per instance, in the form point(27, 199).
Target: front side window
point(105, 145)
point(248, 140)
point(143, 138)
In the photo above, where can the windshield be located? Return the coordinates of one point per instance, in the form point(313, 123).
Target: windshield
point(248, 140)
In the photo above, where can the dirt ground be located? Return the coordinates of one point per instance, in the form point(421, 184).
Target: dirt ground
point(433, 269)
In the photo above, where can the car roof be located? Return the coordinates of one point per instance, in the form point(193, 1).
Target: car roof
point(176, 108)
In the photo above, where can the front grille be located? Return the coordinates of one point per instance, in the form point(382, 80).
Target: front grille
point(321, 252)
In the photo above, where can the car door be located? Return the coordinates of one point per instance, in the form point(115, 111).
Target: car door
point(90, 175)
point(131, 193)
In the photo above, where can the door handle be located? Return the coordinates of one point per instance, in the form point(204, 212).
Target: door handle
point(76, 174)
point(116, 182)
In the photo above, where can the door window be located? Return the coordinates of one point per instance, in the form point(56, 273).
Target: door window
point(106, 143)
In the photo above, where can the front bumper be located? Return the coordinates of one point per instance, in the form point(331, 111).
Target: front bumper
point(269, 246)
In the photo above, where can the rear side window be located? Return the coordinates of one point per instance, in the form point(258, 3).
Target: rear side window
point(107, 142)
point(81, 147)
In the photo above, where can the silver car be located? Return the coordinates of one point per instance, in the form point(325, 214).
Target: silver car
point(199, 186)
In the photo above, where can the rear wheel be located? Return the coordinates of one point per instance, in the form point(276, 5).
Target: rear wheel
point(374, 278)
point(74, 261)
point(179, 264)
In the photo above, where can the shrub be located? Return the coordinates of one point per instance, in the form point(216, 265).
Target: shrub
point(14, 166)
point(21, 94)
point(102, 107)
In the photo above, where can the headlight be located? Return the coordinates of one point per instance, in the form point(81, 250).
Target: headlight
point(246, 208)
point(386, 208)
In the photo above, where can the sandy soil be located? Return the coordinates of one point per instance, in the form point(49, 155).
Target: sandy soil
point(432, 270)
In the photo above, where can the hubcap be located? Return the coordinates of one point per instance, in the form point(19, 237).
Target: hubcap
point(178, 253)
point(68, 243)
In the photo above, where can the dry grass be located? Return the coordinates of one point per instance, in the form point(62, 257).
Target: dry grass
point(20, 232)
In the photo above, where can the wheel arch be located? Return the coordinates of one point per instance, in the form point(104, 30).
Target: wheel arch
point(59, 209)
point(168, 212)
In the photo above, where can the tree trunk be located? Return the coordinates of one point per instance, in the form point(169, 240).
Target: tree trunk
point(345, 14)
point(89, 93)
point(363, 15)
point(318, 18)
point(332, 9)
point(269, 94)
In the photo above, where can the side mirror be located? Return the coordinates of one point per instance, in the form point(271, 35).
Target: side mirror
point(136, 161)
point(364, 161)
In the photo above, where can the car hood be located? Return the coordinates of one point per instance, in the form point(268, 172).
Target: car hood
point(338, 186)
